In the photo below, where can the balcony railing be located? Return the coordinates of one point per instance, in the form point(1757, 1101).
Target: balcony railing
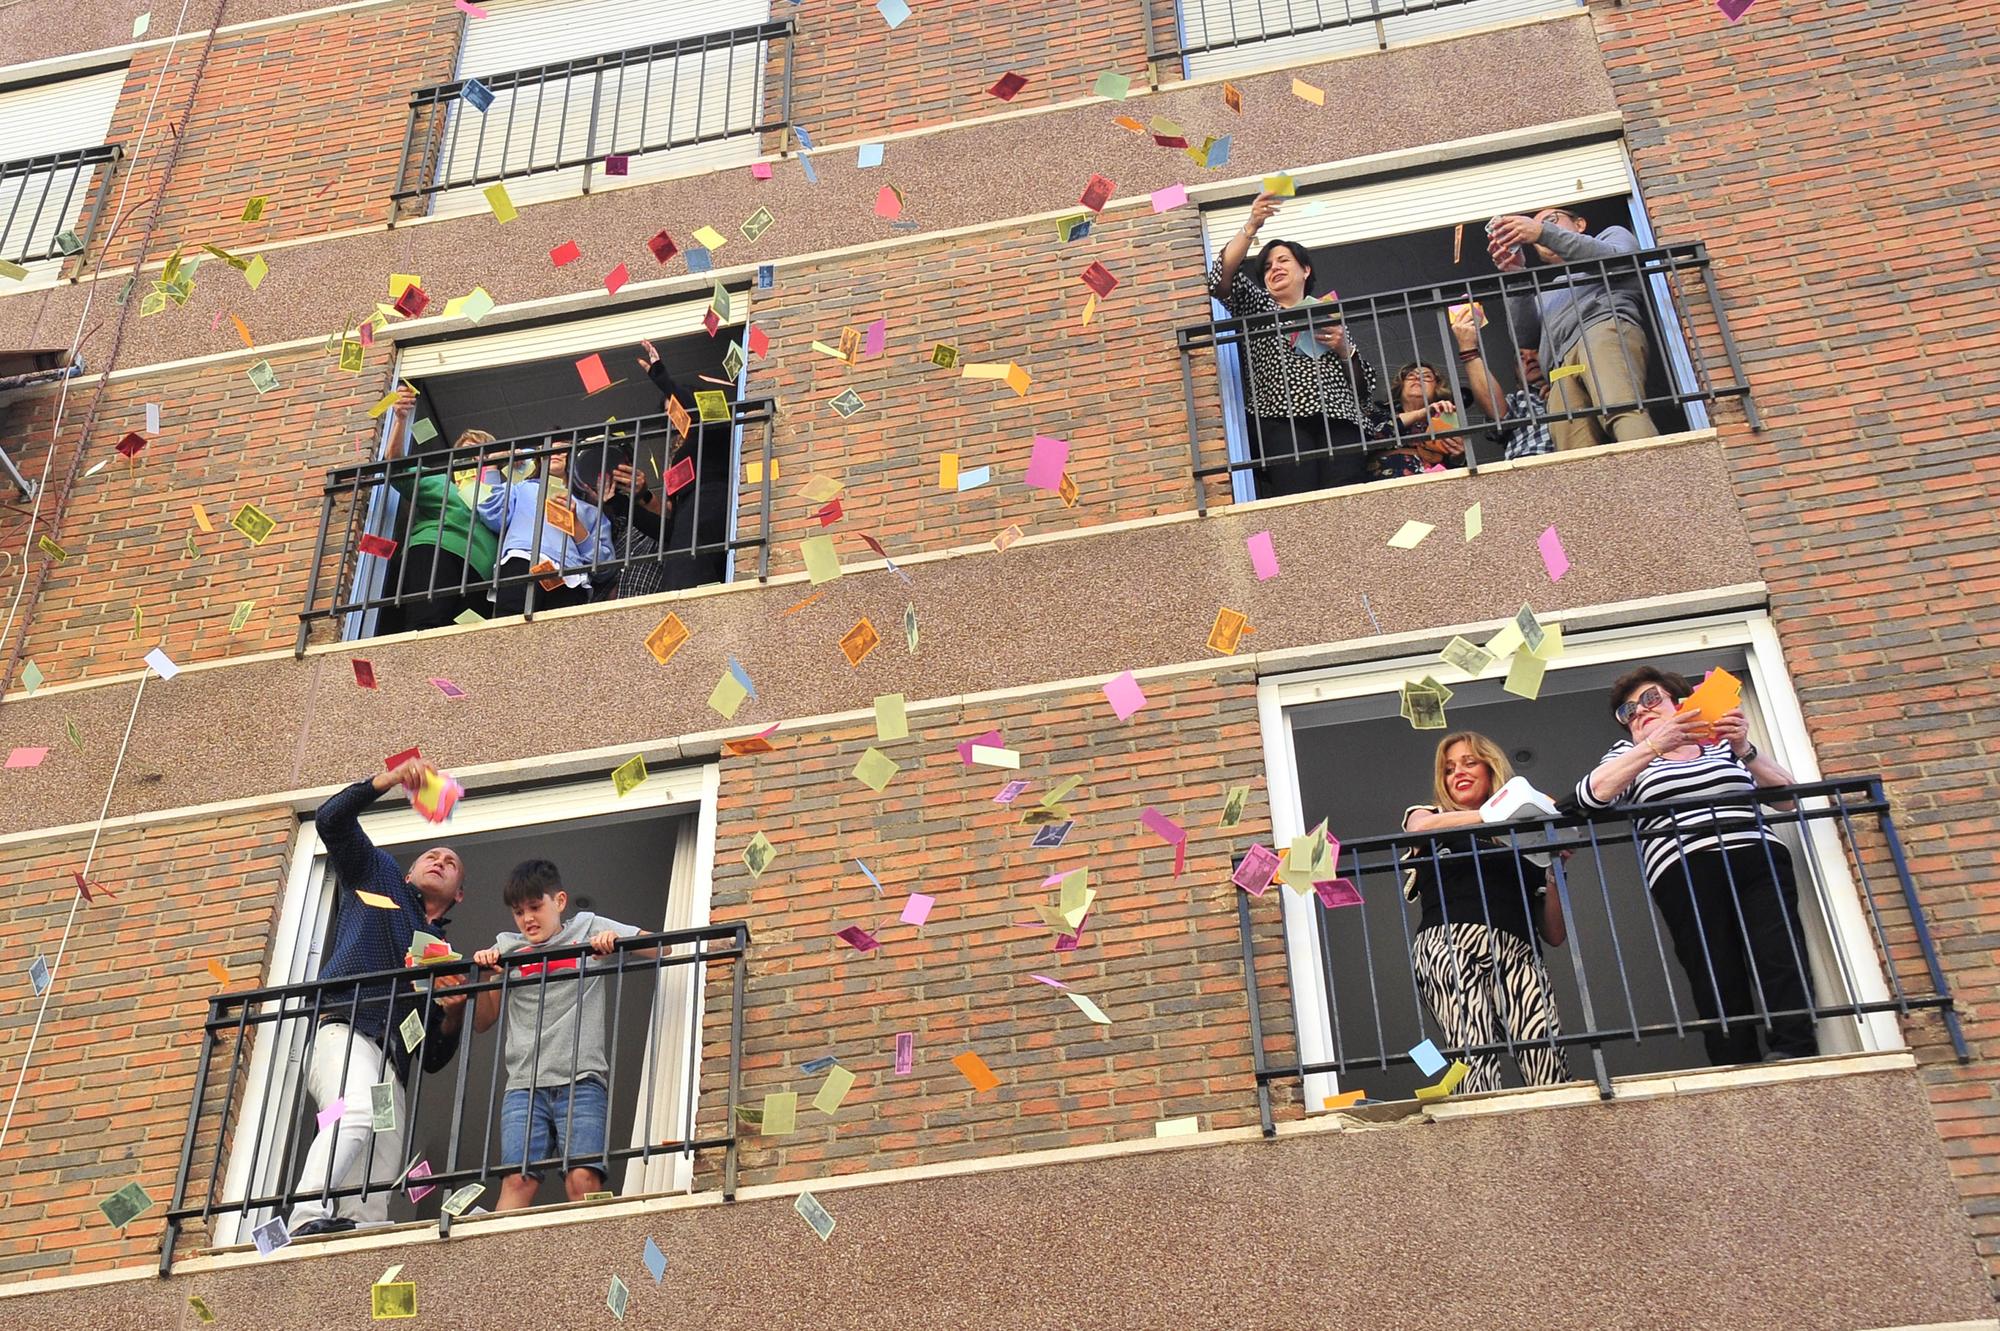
point(1691, 356)
point(354, 572)
point(41, 197)
point(252, 1118)
point(576, 114)
point(1613, 980)
point(1319, 27)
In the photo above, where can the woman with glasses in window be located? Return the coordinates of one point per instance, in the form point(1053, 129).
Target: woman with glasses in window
point(1720, 878)
point(1476, 956)
point(1419, 402)
point(1307, 388)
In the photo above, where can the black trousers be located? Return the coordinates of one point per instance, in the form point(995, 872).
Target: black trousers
point(1734, 918)
point(513, 600)
point(1277, 444)
point(428, 608)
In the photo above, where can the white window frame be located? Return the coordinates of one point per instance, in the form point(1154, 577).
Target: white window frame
point(689, 792)
point(1777, 725)
point(59, 113)
point(1289, 50)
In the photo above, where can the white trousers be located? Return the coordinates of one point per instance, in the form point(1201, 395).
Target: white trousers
point(344, 1066)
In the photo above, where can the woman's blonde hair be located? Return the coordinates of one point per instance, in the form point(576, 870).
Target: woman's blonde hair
point(1484, 749)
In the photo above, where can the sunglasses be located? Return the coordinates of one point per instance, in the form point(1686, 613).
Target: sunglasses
point(1651, 698)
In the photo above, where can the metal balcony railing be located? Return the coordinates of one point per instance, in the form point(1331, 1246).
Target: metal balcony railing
point(41, 197)
point(1691, 355)
point(1614, 979)
point(578, 113)
point(690, 532)
point(1204, 27)
point(252, 1118)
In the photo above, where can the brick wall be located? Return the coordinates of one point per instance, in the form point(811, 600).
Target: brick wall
point(1112, 388)
point(126, 529)
point(1833, 161)
point(1160, 955)
point(310, 113)
point(106, 1097)
point(855, 77)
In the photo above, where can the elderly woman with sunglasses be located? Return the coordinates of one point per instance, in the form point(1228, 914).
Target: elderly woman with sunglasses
point(1719, 877)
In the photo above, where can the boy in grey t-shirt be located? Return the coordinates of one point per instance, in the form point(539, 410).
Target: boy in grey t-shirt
point(557, 1100)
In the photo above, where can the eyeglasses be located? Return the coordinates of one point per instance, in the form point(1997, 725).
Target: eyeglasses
point(1651, 698)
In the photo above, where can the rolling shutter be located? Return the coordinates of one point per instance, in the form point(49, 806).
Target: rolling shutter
point(1206, 21)
point(698, 93)
point(483, 351)
point(42, 118)
point(1440, 198)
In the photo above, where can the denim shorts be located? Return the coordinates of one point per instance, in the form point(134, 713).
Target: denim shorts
point(554, 1122)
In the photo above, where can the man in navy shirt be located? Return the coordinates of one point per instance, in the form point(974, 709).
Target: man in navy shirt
point(362, 1039)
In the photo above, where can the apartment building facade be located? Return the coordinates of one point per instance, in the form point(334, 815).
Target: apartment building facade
point(932, 292)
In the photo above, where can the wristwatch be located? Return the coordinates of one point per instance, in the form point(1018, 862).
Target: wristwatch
point(1749, 755)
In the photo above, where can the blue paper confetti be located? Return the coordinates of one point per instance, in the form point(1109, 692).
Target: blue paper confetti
point(476, 95)
point(893, 12)
point(974, 477)
point(813, 1067)
point(767, 276)
point(742, 677)
point(698, 259)
point(1429, 1061)
point(656, 1261)
point(871, 877)
point(869, 154)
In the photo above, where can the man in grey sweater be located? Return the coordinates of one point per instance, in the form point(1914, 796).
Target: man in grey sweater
point(1592, 328)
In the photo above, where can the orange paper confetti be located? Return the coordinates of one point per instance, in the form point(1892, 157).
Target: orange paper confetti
point(974, 1070)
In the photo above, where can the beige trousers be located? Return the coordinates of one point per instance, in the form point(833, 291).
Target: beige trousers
point(1612, 356)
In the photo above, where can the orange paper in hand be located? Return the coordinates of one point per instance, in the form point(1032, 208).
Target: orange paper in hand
point(1718, 694)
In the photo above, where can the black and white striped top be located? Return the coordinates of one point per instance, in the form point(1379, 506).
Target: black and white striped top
point(1714, 774)
point(1285, 381)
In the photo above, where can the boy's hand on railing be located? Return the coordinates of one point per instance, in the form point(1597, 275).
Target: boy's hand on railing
point(487, 958)
point(602, 943)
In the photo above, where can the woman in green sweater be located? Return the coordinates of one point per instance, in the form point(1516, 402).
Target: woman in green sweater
point(447, 553)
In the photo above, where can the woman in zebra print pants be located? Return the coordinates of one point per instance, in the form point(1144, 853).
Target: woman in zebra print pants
point(1476, 955)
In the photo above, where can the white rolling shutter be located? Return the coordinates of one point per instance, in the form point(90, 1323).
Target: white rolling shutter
point(1206, 21)
point(483, 351)
point(698, 93)
point(50, 118)
point(1419, 202)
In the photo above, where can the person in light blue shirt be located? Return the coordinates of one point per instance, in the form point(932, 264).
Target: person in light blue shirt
point(543, 524)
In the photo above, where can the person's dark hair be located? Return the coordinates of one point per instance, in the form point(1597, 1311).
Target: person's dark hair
point(531, 880)
point(1677, 686)
point(1300, 255)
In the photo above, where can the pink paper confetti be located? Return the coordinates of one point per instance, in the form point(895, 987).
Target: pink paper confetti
point(1046, 463)
point(1162, 826)
point(26, 757)
point(614, 279)
point(1173, 196)
point(761, 170)
point(858, 938)
point(1124, 695)
point(1554, 558)
point(447, 688)
point(1337, 892)
point(468, 7)
point(1010, 792)
point(333, 1111)
point(1049, 981)
point(918, 909)
point(1263, 556)
point(1071, 942)
point(990, 740)
point(1734, 9)
point(906, 1052)
point(1259, 867)
point(876, 338)
point(421, 1169)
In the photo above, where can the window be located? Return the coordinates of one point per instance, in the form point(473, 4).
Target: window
point(57, 166)
point(1390, 257)
point(1351, 971)
point(642, 859)
point(1229, 36)
point(523, 387)
point(677, 87)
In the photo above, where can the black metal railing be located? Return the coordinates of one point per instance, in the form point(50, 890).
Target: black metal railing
point(572, 114)
point(253, 1118)
point(1689, 357)
point(364, 561)
point(41, 198)
point(1739, 974)
point(1200, 27)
